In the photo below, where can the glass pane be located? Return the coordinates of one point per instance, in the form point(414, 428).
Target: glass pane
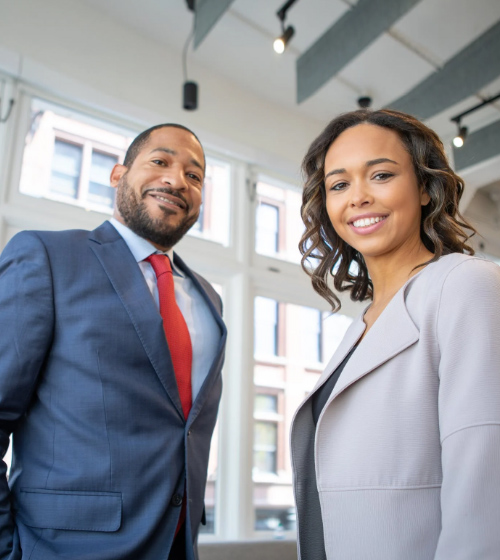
point(67, 156)
point(100, 191)
point(278, 225)
point(66, 165)
point(308, 337)
point(266, 327)
point(265, 445)
point(267, 230)
point(213, 222)
point(310, 324)
point(266, 403)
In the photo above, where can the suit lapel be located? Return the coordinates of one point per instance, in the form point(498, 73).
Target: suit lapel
point(214, 369)
point(130, 285)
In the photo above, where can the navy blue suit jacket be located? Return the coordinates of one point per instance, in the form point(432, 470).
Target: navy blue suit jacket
point(101, 450)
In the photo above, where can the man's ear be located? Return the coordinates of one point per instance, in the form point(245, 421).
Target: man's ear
point(117, 173)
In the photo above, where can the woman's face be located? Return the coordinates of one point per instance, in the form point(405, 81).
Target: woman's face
point(373, 198)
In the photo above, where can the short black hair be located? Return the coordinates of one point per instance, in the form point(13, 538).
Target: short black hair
point(139, 141)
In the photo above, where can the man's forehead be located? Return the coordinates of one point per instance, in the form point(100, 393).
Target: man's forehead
point(173, 139)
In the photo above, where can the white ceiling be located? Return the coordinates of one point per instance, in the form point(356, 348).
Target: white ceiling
point(239, 48)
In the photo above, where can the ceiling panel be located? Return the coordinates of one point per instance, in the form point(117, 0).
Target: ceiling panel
point(444, 27)
point(386, 70)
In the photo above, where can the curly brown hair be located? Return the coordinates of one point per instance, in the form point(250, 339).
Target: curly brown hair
point(442, 225)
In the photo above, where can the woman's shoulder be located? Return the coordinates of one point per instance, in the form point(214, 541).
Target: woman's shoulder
point(459, 269)
point(460, 280)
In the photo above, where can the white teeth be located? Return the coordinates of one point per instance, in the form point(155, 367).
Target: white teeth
point(167, 200)
point(364, 222)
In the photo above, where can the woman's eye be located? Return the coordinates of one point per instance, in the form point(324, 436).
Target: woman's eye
point(383, 176)
point(158, 161)
point(338, 186)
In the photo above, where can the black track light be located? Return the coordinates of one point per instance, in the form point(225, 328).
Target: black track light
point(280, 43)
point(459, 139)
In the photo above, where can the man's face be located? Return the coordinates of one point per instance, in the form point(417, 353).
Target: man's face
point(160, 195)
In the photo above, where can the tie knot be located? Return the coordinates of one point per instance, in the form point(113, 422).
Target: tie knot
point(160, 263)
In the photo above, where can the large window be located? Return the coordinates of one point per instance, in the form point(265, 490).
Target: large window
point(307, 338)
point(68, 157)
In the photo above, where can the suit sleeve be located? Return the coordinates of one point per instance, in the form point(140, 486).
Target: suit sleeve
point(26, 319)
point(468, 331)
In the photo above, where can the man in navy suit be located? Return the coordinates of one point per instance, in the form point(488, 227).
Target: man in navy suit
point(105, 464)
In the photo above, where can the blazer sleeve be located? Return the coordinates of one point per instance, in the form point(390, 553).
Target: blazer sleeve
point(468, 332)
point(26, 319)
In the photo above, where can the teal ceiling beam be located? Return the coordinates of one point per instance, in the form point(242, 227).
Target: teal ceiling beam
point(342, 42)
point(207, 14)
point(473, 68)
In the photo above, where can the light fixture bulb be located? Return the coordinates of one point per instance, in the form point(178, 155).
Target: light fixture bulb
point(459, 139)
point(279, 45)
point(281, 42)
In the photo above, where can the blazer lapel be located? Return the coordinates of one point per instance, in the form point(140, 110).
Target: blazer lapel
point(392, 332)
point(128, 281)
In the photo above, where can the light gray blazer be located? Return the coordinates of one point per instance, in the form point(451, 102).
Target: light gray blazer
point(405, 461)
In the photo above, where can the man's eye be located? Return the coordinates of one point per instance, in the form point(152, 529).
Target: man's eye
point(158, 161)
point(195, 177)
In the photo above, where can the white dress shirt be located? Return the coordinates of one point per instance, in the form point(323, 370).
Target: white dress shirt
point(202, 326)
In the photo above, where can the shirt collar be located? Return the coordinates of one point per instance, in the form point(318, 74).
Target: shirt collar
point(139, 247)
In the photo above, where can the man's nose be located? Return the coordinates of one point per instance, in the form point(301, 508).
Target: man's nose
point(175, 178)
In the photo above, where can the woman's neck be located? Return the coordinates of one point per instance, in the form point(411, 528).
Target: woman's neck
point(389, 273)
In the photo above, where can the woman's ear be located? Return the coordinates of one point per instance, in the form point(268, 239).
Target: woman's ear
point(424, 197)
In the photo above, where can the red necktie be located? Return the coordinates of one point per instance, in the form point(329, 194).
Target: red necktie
point(178, 340)
point(176, 330)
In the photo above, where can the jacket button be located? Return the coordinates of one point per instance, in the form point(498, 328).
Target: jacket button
point(189, 432)
point(176, 500)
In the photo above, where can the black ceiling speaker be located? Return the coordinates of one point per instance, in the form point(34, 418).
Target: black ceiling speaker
point(190, 96)
point(364, 102)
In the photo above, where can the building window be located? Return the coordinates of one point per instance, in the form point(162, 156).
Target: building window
point(307, 337)
point(278, 225)
point(265, 447)
point(68, 157)
point(266, 327)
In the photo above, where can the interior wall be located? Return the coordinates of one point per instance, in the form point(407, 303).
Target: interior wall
point(72, 50)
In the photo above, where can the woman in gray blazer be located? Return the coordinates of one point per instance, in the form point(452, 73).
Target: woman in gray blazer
point(396, 452)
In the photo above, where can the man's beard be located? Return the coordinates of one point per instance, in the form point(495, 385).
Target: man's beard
point(136, 217)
